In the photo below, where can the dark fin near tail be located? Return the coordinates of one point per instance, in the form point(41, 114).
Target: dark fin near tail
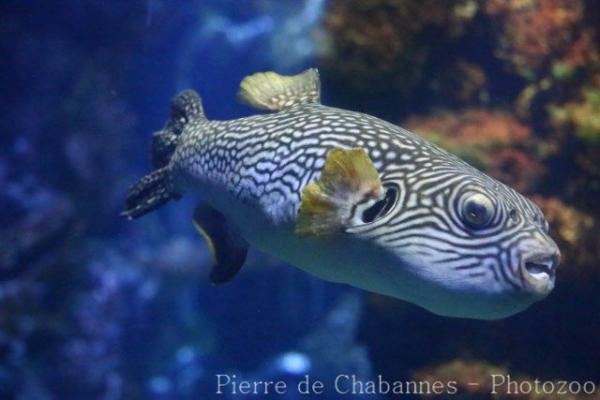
point(156, 188)
point(185, 107)
point(228, 248)
point(149, 193)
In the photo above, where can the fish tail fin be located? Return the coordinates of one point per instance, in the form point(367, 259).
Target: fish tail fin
point(156, 188)
point(149, 193)
point(185, 107)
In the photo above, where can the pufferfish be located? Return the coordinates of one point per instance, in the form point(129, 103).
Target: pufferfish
point(351, 199)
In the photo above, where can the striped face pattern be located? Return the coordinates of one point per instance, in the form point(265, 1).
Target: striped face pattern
point(471, 245)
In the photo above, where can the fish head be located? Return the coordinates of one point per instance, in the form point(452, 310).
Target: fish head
point(470, 245)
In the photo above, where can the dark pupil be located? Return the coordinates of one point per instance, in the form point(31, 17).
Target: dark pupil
point(380, 208)
point(476, 212)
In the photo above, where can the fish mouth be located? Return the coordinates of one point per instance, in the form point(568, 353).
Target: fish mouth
point(539, 272)
point(541, 269)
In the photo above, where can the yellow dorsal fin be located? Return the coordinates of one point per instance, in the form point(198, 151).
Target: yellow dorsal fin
point(348, 178)
point(271, 91)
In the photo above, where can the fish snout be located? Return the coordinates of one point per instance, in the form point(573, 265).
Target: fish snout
point(538, 270)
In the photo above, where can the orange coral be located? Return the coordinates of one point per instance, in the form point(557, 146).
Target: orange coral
point(491, 139)
point(484, 380)
point(581, 52)
point(378, 44)
point(533, 31)
point(477, 127)
point(471, 376)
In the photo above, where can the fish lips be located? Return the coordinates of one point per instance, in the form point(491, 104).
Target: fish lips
point(538, 271)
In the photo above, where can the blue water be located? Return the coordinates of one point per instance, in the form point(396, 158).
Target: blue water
point(94, 306)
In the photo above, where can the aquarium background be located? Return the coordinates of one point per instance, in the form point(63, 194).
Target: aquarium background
point(94, 306)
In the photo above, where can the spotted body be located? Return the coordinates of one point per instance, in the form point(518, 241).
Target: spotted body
point(413, 238)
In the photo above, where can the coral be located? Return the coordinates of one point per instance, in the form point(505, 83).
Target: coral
point(532, 32)
point(472, 377)
point(476, 127)
point(44, 222)
point(583, 114)
point(461, 81)
point(576, 233)
point(490, 139)
point(383, 45)
point(517, 168)
point(482, 380)
point(581, 53)
point(575, 140)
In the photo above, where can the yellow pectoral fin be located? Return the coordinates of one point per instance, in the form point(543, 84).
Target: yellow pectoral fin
point(348, 177)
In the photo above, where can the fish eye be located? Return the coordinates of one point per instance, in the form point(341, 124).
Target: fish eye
point(477, 211)
point(381, 207)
